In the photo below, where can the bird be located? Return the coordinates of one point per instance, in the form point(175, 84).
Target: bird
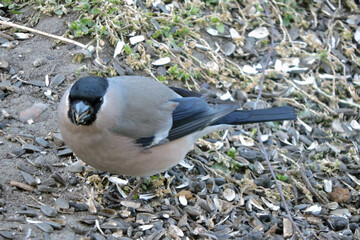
point(137, 126)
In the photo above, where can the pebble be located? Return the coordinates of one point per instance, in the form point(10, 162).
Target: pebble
point(338, 223)
point(4, 65)
point(161, 71)
point(47, 189)
point(55, 225)
point(7, 235)
point(50, 182)
point(57, 80)
point(73, 181)
point(29, 179)
point(40, 161)
point(107, 212)
point(2, 202)
point(340, 195)
point(28, 213)
point(64, 153)
point(58, 178)
point(58, 140)
point(45, 227)
point(42, 142)
point(263, 181)
point(62, 203)
point(48, 211)
point(79, 207)
point(220, 181)
point(31, 148)
point(38, 62)
point(354, 226)
point(76, 168)
point(97, 236)
point(249, 154)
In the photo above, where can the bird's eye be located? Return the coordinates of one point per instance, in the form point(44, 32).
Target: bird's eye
point(100, 99)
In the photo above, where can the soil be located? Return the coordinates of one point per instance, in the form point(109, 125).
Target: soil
point(56, 58)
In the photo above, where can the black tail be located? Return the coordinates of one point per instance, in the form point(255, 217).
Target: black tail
point(260, 115)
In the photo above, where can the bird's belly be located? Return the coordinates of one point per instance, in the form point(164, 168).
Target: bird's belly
point(119, 155)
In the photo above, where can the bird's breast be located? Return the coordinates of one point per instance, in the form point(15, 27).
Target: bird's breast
point(110, 152)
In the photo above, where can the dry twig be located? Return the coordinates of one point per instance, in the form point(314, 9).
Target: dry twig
point(14, 25)
point(262, 147)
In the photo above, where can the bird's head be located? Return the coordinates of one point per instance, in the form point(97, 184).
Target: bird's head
point(85, 99)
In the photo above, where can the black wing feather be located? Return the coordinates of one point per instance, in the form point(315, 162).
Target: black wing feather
point(185, 93)
point(193, 114)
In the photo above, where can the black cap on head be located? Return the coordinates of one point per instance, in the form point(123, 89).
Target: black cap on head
point(90, 92)
point(89, 88)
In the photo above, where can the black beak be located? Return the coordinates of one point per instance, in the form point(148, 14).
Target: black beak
point(80, 113)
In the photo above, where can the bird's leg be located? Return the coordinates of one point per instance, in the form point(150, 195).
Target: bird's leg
point(132, 193)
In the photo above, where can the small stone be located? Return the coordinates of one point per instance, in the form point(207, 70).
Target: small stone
point(229, 194)
point(130, 204)
point(57, 80)
point(40, 161)
point(42, 142)
point(28, 213)
point(76, 168)
point(264, 181)
point(55, 225)
point(193, 210)
point(107, 212)
point(58, 139)
point(62, 203)
point(58, 178)
point(340, 195)
point(31, 148)
point(73, 181)
point(29, 179)
point(48, 211)
point(4, 65)
point(35, 113)
point(97, 236)
point(220, 181)
point(2, 202)
point(161, 71)
point(176, 231)
point(229, 48)
point(45, 227)
point(64, 153)
point(50, 182)
point(47, 189)
point(338, 223)
point(354, 226)
point(79, 207)
point(38, 62)
point(7, 235)
point(187, 194)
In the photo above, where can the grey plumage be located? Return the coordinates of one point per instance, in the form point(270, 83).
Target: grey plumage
point(136, 126)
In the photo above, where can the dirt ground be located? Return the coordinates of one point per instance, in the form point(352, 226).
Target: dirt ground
point(55, 58)
point(33, 148)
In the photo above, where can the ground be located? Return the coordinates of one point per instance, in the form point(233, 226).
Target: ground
point(224, 190)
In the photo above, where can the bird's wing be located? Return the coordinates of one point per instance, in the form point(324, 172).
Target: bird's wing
point(192, 114)
point(185, 93)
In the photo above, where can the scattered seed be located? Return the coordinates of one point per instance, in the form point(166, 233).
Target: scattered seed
point(22, 186)
point(61, 203)
point(28, 213)
point(29, 179)
point(48, 211)
point(136, 39)
point(47, 189)
point(45, 227)
point(57, 80)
